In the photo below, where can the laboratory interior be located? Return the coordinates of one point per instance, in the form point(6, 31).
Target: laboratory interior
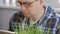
point(8, 9)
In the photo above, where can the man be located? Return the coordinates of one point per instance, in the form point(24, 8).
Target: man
point(34, 11)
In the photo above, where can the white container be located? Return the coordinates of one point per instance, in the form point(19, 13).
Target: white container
point(14, 3)
point(7, 3)
point(59, 1)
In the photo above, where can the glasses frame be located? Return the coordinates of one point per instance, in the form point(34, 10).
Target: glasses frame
point(26, 4)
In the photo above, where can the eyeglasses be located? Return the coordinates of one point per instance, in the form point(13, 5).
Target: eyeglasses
point(26, 4)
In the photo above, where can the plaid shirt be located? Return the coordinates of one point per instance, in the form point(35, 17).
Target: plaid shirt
point(51, 21)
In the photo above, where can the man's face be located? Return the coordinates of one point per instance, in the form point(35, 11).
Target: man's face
point(30, 7)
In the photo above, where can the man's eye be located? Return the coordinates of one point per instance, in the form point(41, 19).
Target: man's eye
point(26, 3)
point(20, 3)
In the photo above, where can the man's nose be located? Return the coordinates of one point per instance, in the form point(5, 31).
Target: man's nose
point(23, 7)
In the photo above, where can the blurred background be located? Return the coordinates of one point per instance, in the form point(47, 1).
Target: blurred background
point(9, 7)
point(54, 3)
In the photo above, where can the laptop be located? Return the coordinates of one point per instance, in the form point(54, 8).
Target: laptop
point(6, 32)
